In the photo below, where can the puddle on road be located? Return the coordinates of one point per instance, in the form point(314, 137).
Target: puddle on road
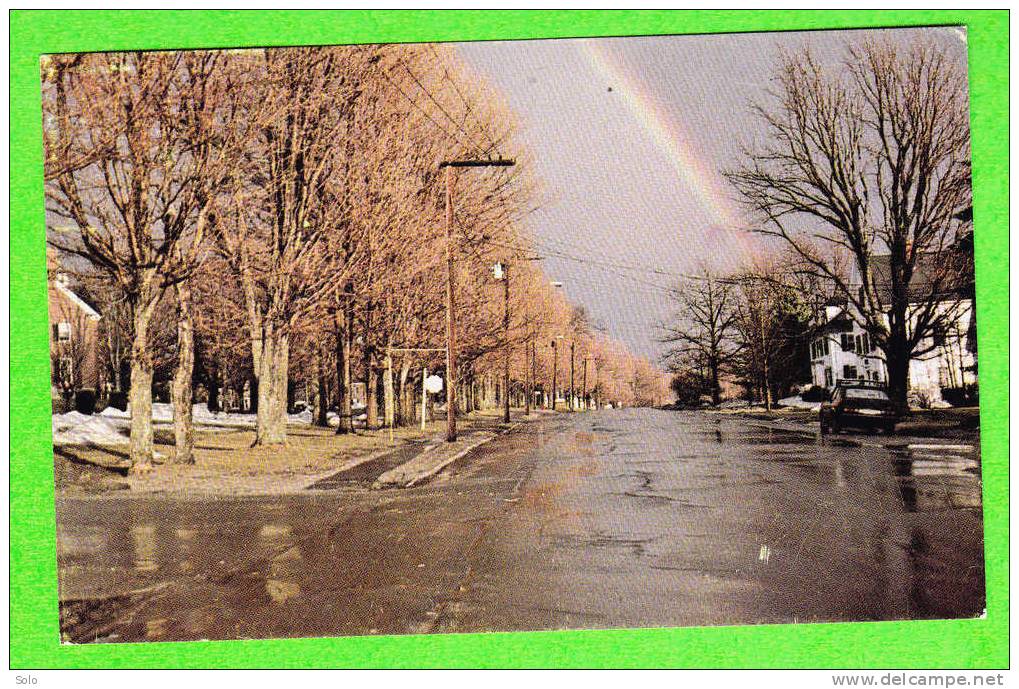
point(281, 582)
point(937, 477)
point(144, 539)
point(365, 473)
point(770, 436)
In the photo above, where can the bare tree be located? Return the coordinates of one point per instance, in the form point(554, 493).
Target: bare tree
point(125, 187)
point(872, 163)
point(274, 240)
point(704, 327)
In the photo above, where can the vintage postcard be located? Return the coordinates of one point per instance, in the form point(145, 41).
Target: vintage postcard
point(513, 335)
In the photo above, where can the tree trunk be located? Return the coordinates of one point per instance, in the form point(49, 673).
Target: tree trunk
point(140, 396)
point(341, 323)
point(389, 393)
point(716, 388)
point(215, 387)
point(255, 333)
point(271, 418)
point(322, 392)
point(183, 428)
point(898, 378)
point(371, 393)
point(405, 415)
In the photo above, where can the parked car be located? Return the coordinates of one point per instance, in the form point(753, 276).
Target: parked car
point(858, 404)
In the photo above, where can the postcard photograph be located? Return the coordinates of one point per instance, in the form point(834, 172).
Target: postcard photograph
point(655, 331)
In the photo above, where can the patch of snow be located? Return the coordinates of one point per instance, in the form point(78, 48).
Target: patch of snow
point(163, 413)
point(734, 404)
point(301, 417)
point(799, 403)
point(75, 428)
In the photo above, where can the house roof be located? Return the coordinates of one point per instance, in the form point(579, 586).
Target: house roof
point(76, 300)
point(840, 322)
point(927, 272)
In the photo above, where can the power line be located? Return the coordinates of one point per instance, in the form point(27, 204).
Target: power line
point(474, 147)
point(466, 104)
point(414, 103)
point(547, 252)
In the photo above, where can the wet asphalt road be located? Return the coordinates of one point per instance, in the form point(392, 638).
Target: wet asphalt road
point(605, 519)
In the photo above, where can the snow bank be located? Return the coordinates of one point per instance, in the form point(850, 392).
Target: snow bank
point(163, 413)
point(75, 428)
point(799, 403)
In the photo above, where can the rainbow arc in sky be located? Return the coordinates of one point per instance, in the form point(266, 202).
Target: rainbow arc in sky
point(693, 170)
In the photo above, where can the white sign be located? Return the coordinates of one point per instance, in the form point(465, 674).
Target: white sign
point(433, 384)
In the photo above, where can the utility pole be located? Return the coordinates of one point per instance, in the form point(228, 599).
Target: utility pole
point(555, 373)
point(424, 398)
point(585, 383)
point(530, 383)
point(450, 297)
point(572, 388)
point(450, 329)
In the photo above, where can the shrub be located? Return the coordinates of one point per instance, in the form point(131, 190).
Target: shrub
point(965, 396)
point(118, 400)
point(85, 401)
point(919, 399)
point(815, 393)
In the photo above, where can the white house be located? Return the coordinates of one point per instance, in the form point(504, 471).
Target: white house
point(841, 349)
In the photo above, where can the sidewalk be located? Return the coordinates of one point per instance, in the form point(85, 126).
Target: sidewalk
point(432, 460)
point(228, 466)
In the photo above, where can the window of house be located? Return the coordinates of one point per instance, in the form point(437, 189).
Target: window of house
point(848, 342)
point(65, 371)
point(62, 331)
point(849, 372)
point(865, 347)
point(938, 335)
point(824, 342)
point(827, 378)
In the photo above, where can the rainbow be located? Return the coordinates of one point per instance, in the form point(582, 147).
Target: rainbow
point(667, 133)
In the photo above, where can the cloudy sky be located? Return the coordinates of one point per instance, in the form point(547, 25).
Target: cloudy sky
point(628, 137)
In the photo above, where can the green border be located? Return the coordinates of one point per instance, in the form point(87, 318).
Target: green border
point(34, 628)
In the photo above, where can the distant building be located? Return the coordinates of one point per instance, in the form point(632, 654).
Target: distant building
point(74, 337)
point(842, 350)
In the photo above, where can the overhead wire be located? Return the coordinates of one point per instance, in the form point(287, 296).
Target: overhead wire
point(476, 148)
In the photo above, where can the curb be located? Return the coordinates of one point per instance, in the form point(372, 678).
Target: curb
point(379, 484)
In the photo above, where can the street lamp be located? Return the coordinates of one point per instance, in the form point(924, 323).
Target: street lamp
point(501, 272)
point(555, 370)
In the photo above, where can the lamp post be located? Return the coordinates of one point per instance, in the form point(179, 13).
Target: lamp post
point(501, 272)
point(555, 370)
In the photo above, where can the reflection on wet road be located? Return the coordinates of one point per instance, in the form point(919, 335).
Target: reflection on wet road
point(603, 519)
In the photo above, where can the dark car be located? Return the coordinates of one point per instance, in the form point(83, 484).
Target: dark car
point(858, 404)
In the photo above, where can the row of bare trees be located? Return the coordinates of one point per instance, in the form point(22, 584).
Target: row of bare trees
point(276, 216)
point(750, 326)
